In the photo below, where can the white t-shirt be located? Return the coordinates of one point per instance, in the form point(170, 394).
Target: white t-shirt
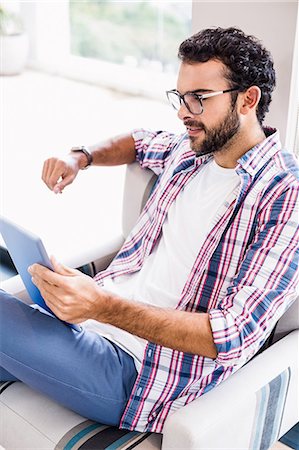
point(164, 273)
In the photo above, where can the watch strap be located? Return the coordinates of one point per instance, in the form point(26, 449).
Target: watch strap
point(86, 152)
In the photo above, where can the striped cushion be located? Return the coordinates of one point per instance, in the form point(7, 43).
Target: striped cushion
point(83, 434)
point(90, 435)
point(269, 411)
point(4, 385)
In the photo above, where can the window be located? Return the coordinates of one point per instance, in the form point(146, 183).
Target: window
point(143, 34)
point(116, 44)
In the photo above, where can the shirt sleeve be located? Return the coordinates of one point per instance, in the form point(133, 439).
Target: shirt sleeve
point(264, 287)
point(153, 148)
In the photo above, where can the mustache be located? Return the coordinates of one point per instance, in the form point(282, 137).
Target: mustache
point(194, 124)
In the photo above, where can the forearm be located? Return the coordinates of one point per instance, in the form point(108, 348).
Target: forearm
point(114, 151)
point(75, 297)
point(180, 330)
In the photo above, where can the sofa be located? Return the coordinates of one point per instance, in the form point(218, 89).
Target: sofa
point(250, 410)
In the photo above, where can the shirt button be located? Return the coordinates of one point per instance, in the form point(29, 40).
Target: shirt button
point(149, 353)
point(139, 390)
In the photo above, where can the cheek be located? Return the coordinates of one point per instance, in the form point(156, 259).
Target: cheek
point(215, 113)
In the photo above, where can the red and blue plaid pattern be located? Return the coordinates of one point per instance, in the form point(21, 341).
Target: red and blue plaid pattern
point(244, 275)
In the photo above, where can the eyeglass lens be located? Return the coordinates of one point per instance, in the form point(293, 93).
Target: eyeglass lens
point(192, 102)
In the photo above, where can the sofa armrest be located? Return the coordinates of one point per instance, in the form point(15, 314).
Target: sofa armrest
point(15, 286)
point(257, 403)
point(138, 186)
point(101, 255)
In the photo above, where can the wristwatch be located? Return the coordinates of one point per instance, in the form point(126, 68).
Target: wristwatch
point(86, 152)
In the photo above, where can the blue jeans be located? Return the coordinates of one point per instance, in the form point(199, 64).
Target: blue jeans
point(80, 370)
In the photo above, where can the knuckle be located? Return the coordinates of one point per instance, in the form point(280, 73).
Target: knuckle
point(63, 308)
point(67, 285)
point(60, 164)
point(50, 161)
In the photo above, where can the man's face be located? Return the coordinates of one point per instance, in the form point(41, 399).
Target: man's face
point(217, 127)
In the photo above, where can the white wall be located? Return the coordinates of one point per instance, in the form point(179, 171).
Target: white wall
point(274, 23)
point(47, 26)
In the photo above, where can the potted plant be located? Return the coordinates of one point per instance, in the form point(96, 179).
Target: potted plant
point(13, 41)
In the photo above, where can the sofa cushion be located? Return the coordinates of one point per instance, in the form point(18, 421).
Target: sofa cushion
point(31, 420)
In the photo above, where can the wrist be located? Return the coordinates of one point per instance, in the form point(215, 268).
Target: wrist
point(83, 156)
point(104, 305)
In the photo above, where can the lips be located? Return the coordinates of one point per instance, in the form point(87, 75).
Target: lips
point(192, 131)
point(193, 128)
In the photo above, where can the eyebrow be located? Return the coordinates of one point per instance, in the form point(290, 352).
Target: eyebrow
point(200, 90)
point(195, 91)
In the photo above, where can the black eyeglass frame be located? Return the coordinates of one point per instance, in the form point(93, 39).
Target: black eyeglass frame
point(199, 97)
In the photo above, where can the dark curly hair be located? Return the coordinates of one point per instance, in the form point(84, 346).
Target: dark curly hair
point(248, 63)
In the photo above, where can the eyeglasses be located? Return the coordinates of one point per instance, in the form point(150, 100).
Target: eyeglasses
point(192, 100)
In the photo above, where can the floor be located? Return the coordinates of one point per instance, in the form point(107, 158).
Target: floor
point(45, 115)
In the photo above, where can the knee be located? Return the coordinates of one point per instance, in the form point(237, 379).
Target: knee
point(12, 309)
point(5, 297)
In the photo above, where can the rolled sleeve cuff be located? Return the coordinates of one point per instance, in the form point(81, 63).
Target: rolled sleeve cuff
point(142, 140)
point(153, 148)
point(227, 339)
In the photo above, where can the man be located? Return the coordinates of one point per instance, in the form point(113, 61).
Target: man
point(204, 275)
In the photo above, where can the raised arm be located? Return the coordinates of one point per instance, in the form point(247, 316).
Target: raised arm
point(60, 172)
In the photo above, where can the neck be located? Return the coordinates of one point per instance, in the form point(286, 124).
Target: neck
point(238, 146)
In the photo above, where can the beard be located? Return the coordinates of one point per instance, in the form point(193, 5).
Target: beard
point(218, 138)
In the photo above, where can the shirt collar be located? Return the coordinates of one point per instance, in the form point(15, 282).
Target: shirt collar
point(252, 161)
point(255, 158)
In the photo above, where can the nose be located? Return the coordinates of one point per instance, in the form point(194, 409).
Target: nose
point(183, 112)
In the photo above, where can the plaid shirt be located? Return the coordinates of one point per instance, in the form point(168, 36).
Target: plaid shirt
point(244, 275)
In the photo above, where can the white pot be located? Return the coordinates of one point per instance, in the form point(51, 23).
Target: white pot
point(14, 51)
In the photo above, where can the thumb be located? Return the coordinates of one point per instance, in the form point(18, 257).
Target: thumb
point(58, 188)
point(62, 269)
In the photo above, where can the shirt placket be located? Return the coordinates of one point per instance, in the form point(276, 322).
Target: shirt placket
point(219, 224)
point(172, 189)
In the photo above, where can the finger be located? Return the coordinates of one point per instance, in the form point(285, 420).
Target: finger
point(45, 274)
point(44, 170)
point(53, 302)
point(59, 303)
point(66, 180)
point(55, 299)
point(62, 269)
point(38, 281)
point(44, 286)
point(48, 169)
point(59, 170)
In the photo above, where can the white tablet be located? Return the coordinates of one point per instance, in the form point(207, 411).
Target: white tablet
point(25, 249)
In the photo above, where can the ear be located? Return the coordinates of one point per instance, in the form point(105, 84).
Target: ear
point(250, 99)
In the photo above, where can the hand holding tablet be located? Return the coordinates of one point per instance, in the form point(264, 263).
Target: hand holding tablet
point(26, 249)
